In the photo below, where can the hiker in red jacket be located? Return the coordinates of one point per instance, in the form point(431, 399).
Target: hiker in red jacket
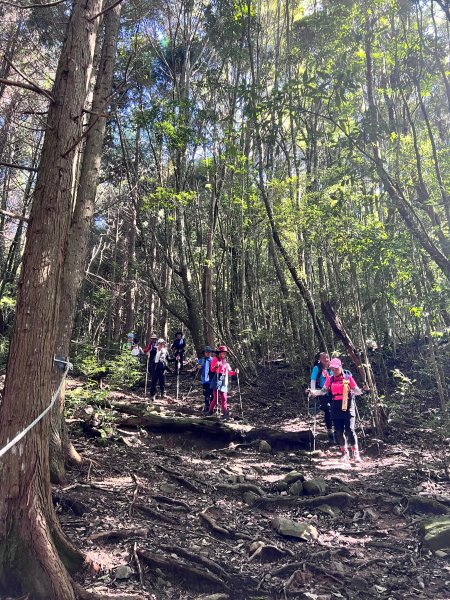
point(343, 388)
point(222, 371)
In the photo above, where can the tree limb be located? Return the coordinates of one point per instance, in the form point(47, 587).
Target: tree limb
point(33, 87)
point(14, 215)
point(32, 5)
point(22, 167)
point(102, 12)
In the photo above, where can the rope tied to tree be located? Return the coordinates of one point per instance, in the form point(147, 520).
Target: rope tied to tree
point(59, 362)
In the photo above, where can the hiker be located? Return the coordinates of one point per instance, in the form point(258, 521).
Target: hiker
point(213, 379)
point(160, 366)
point(136, 350)
point(151, 350)
point(178, 348)
point(204, 364)
point(222, 370)
point(319, 375)
point(343, 388)
point(129, 343)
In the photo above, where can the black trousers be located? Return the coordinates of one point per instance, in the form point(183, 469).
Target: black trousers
point(151, 362)
point(158, 376)
point(344, 422)
point(325, 406)
point(207, 393)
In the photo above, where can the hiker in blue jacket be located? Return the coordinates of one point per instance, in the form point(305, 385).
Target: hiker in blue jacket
point(204, 363)
point(319, 375)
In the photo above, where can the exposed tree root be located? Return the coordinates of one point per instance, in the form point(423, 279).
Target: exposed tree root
point(172, 501)
point(155, 514)
point(119, 534)
point(222, 531)
point(182, 480)
point(76, 506)
point(198, 558)
point(268, 553)
point(240, 488)
point(192, 576)
point(337, 499)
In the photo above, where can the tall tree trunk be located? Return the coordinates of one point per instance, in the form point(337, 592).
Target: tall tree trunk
point(31, 539)
point(208, 271)
point(61, 449)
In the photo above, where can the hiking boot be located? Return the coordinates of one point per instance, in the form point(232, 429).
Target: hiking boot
point(153, 398)
point(345, 458)
point(356, 456)
point(226, 415)
point(331, 438)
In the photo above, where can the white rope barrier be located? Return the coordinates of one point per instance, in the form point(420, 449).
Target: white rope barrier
point(23, 433)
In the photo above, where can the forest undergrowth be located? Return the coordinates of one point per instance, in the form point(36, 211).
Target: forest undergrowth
point(190, 515)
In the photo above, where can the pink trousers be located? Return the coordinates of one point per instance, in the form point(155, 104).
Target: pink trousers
point(223, 401)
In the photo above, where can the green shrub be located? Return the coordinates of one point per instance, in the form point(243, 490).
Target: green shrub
point(123, 371)
point(4, 349)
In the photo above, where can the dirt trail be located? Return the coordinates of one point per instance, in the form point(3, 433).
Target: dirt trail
point(192, 510)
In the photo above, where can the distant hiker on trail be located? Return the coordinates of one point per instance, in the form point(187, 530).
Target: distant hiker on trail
point(204, 364)
point(150, 350)
point(178, 348)
point(222, 371)
point(319, 375)
point(159, 369)
point(343, 388)
point(129, 343)
point(136, 350)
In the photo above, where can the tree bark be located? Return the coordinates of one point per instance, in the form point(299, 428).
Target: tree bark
point(61, 449)
point(31, 538)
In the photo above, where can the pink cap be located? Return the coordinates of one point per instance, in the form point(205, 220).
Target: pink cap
point(335, 363)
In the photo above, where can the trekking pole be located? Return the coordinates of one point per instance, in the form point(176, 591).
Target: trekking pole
point(359, 418)
point(192, 385)
point(240, 395)
point(309, 425)
point(314, 424)
point(146, 375)
point(178, 377)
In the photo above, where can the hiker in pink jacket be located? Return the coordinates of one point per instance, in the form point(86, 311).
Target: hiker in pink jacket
point(222, 371)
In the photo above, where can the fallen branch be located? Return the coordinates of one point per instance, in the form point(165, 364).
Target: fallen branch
point(135, 494)
point(138, 565)
point(218, 430)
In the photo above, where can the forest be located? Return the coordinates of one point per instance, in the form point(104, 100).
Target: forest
point(268, 179)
